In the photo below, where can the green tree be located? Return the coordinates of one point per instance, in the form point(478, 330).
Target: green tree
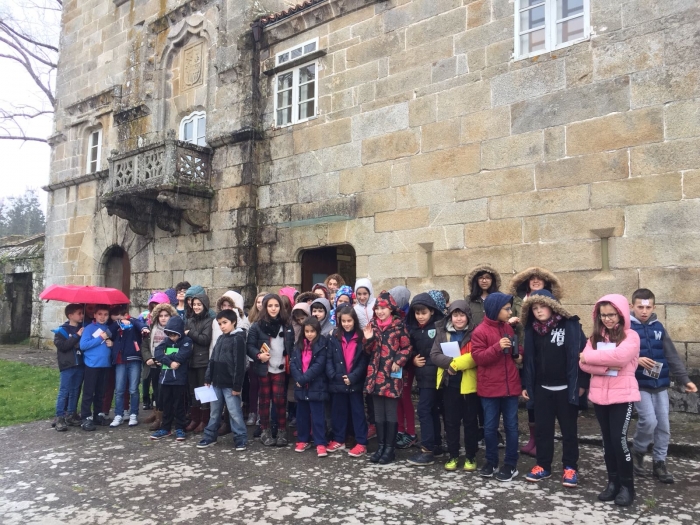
point(22, 215)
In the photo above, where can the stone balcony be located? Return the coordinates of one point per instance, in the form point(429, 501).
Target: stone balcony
point(160, 183)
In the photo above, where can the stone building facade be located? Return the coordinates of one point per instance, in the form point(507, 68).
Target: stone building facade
point(410, 139)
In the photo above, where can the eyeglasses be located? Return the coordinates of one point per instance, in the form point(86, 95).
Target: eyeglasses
point(608, 316)
point(485, 278)
point(507, 309)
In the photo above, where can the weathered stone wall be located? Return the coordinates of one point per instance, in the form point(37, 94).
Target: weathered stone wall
point(447, 152)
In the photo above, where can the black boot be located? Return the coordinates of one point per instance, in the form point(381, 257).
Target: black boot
point(381, 442)
point(389, 450)
point(660, 472)
point(625, 496)
point(610, 492)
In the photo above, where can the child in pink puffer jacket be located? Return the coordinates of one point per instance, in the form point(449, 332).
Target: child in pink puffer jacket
point(611, 357)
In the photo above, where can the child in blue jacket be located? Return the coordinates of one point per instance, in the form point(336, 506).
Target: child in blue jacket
point(95, 343)
point(308, 367)
point(346, 368)
point(174, 355)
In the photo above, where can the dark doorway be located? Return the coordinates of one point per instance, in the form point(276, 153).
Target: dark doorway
point(19, 293)
point(118, 270)
point(319, 263)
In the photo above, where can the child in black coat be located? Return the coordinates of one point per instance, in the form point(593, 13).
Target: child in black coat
point(70, 363)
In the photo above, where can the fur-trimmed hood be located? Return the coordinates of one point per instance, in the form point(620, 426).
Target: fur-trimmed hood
point(481, 269)
point(543, 297)
point(157, 309)
point(231, 296)
point(519, 283)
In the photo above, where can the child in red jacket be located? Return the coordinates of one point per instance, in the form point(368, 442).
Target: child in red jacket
point(496, 353)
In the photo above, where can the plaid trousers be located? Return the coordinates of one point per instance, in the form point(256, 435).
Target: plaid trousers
point(272, 388)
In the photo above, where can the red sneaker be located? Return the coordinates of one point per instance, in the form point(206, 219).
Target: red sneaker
point(321, 451)
point(357, 451)
point(301, 447)
point(371, 431)
point(334, 445)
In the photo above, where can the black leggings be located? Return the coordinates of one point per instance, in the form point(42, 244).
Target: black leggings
point(614, 422)
point(151, 381)
point(385, 409)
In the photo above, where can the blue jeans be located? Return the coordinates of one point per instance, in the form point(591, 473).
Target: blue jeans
point(493, 408)
point(131, 372)
point(235, 412)
point(68, 390)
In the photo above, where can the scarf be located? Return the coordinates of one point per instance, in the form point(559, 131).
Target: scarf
point(386, 323)
point(271, 328)
point(544, 327)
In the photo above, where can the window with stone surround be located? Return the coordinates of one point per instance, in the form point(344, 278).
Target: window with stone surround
point(296, 89)
point(193, 127)
point(546, 25)
point(94, 151)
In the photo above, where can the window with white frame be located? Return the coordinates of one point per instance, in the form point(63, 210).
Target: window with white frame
point(296, 89)
point(193, 127)
point(94, 151)
point(546, 25)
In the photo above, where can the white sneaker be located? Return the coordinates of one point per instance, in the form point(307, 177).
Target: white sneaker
point(102, 414)
point(116, 421)
point(133, 420)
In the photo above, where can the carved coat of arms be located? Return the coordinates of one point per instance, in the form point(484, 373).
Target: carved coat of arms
point(192, 70)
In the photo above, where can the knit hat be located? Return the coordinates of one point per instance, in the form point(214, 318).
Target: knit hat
point(344, 290)
point(172, 296)
point(439, 299)
point(194, 290)
point(494, 302)
point(158, 298)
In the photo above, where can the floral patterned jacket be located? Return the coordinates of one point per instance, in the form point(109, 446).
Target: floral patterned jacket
point(392, 345)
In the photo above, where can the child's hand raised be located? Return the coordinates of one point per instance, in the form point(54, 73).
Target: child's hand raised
point(367, 330)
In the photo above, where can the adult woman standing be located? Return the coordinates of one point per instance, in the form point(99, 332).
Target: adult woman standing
point(483, 280)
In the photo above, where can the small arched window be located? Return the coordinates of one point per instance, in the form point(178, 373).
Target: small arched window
point(94, 151)
point(192, 128)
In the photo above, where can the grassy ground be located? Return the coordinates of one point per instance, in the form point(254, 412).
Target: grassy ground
point(27, 393)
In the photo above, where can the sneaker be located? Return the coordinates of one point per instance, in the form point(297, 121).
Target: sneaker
point(88, 425)
point(660, 472)
point(570, 478)
point(241, 447)
point(452, 464)
point(61, 424)
point(292, 422)
point(133, 420)
point(205, 442)
point(506, 473)
point(404, 440)
point(334, 446)
point(281, 440)
point(423, 459)
point(400, 436)
point(357, 451)
point(302, 447)
point(160, 434)
point(147, 405)
point(487, 470)
point(438, 452)
point(116, 421)
point(321, 451)
point(371, 431)
point(469, 465)
point(258, 432)
point(538, 474)
point(638, 464)
point(267, 439)
point(102, 420)
point(180, 434)
point(251, 420)
point(73, 420)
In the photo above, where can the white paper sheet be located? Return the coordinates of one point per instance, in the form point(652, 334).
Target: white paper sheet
point(450, 349)
point(205, 394)
point(98, 333)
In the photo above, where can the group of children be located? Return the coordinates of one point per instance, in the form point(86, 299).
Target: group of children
point(340, 361)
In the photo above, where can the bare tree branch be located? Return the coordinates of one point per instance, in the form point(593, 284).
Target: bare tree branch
point(27, 38)
point(23, 137)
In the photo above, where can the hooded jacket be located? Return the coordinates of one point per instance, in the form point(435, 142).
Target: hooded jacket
point(326, 326)
point(656, 344)
point(401, 295)
point(464, 363)
point(496, 373)
point(96, 353)
point(148, 349)
point(170, 376)
point(571, 338)
point(336, 367)
point(227, 363)
point(242, 321)
point(364, 312)
point(200, 331)
point(67, 342)
point(346, 291)
point(518, 289)
point(622, 388)
point(326, 291)
point(386, 347)
point(477, 305)
point(311, 385)
point(289, 292)
point(157, 298)
point(299, 307)
point(422, 339)
point(127, 340)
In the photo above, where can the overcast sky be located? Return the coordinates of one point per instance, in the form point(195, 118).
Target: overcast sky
point(25, 164)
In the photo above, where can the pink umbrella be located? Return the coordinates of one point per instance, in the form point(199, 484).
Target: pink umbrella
point(72, 293)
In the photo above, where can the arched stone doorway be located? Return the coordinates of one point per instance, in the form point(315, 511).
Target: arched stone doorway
point(319, 263)
point(117, 269)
